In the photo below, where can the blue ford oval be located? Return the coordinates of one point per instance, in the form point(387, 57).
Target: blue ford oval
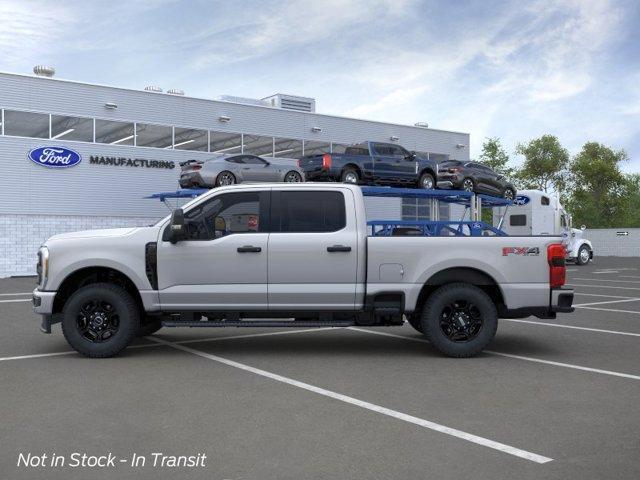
point(55, 157)
point(521, 200)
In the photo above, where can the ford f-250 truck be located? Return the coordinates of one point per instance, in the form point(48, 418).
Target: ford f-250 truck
point(372, 163)
point(296, 251)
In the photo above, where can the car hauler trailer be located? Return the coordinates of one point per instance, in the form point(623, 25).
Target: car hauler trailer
point(535, 212)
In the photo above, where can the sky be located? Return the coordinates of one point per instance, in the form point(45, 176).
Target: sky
point(509, 69)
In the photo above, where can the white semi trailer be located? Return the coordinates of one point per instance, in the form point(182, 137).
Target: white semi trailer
point(538, 213)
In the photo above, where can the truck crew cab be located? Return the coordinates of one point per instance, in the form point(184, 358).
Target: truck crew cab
point(295, 251)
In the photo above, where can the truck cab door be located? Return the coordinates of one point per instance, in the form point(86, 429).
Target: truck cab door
point(313, 250)
point(391, 164)
point(221, 263)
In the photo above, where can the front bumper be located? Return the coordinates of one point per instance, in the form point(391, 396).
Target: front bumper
point(43, 305)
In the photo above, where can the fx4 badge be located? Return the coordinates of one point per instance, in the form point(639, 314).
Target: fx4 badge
point(524, 251)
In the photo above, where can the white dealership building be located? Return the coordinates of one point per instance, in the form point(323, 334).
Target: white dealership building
point(127, 144)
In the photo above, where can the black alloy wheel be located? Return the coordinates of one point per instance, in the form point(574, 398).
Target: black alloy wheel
point(461, 321)
point(467, 185)
point(97, 320)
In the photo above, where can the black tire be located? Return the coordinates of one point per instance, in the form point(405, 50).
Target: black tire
point(427, 179)
point(149, 326)
point(118, 315)
point(468, 185)
point(415, 321)
point(472, 332)
point(581, 255)
point(292, 177)
point(225, 178)
point(509, 194)
point(349, 173)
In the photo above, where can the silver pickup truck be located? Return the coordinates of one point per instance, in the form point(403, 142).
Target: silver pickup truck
point(282, 255)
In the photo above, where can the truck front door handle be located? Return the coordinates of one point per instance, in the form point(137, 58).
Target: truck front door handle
point(338, 248)
point(249, 249)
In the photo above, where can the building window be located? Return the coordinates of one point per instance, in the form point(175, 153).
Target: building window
point(71, 128)
point(312, 147)
point(338, 147)
point(26, 124)
point(157, 136)
point(258, 145)
point(190, 139)
point(287, 148)
point(226, 143)
point(416, 209)
point(114, 133)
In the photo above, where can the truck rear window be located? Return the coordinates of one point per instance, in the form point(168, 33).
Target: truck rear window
point(312, 212)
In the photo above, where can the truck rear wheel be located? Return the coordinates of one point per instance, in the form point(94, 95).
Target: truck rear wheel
point(100, 320)
point(350, 175)
point(459, 320)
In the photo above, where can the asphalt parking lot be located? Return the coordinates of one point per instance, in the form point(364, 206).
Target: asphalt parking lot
point(551, 399)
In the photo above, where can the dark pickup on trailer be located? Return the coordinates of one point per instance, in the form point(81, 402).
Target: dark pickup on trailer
point(372, 163)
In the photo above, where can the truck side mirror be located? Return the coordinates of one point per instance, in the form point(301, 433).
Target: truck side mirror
point(583, 227)
point(176, 226)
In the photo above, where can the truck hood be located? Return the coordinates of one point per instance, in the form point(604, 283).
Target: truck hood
point(106, 232)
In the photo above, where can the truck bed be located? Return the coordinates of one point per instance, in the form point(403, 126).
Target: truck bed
point(518, 265)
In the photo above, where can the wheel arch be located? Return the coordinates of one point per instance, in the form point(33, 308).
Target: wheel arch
point(355, 166)
point(469, 275)
point(97, 274)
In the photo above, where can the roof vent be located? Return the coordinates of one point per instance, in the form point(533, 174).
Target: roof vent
point(175, 91)
point(44, 71)
point(153, 88)
point(292, 102)
point(422, 124)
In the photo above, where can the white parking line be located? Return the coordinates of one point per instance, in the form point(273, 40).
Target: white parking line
point(519, 357)
point(629, 276)
point(611, 310)
point(599, 295)
point(573, 327)
point(15, 294)
point(366, 405)
point(178, 342)
point(603, 286)
point(16, 300)
point(607, 301)
point(606, 280)
point(606, 271)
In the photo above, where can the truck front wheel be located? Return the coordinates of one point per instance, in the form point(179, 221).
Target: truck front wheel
point(584, 255)
point(100, 320)
point(459, 320)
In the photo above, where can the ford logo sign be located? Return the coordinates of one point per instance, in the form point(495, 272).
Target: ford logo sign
point(55, 157)
point(521, 200)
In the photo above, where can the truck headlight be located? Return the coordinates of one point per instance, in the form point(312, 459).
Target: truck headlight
point(43, 266)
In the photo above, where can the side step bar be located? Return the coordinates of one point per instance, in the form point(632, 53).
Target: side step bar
point(260, 323)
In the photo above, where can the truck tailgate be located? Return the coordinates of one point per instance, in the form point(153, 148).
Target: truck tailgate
point(517, 264)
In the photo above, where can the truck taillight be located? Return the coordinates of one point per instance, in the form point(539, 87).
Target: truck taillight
point(326, 161)
point(557, 268)
point(298, 162)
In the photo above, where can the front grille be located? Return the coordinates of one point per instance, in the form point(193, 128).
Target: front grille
point(39, 267)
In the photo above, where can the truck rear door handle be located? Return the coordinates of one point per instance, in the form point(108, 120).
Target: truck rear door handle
point(249, 249)
point(338, 248)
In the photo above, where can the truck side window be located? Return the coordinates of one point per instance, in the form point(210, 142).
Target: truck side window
point(312, 212)
point(518, 220)
point(544, 200)
point(224, 215)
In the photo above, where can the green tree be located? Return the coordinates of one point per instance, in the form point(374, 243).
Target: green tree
point(495, 157)
point(545, 164)
point(599, 192)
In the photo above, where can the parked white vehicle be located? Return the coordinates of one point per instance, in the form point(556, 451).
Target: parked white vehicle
point(538, 213)
point(284, 251)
